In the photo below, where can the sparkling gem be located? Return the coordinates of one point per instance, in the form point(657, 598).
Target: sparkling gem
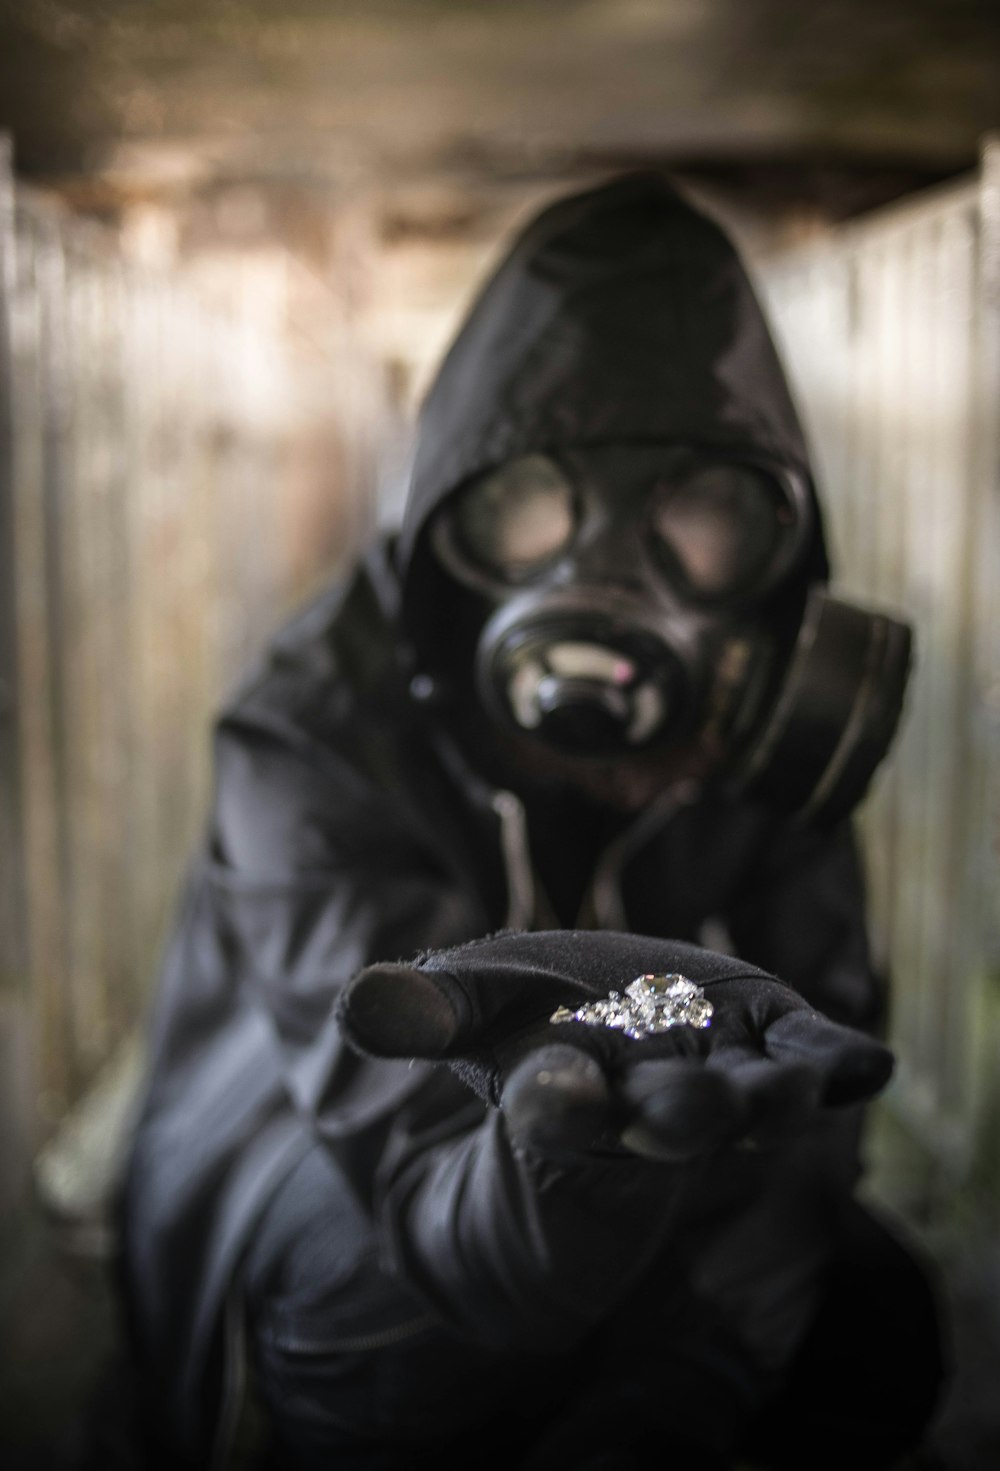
point(651, 1004)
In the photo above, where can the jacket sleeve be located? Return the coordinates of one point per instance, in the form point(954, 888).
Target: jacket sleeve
point(315, 875)
point(801, 916)
point(511, 1250)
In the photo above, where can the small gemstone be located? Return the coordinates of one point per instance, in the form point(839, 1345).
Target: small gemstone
point(700, 1013)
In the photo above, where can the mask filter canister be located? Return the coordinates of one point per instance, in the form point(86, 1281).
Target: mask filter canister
point(835, 713)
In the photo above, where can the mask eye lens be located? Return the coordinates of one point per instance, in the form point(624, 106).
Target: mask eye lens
point(722, 528)
point(516, 519)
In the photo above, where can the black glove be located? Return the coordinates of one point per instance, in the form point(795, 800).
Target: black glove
point(765, 1062)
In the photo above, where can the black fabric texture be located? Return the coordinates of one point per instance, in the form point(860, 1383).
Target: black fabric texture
point(414, 1276)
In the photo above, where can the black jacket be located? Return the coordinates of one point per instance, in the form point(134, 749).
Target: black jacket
point(348, 827)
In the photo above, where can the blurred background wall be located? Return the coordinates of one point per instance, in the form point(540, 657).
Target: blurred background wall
point(234, 240)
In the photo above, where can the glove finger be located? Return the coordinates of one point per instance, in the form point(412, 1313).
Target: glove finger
point(775, 1098)
point(678, 1109)
point(851, 1066)
point(557, 1097)
point(394, 1010)
point(400, 1011)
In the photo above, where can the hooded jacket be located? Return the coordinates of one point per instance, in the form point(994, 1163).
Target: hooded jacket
point(620, 316)
point(347, 827)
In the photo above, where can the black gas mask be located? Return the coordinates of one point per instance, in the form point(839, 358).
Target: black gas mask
point(642, 598)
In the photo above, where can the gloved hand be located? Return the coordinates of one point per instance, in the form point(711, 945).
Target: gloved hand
point(764, 1063)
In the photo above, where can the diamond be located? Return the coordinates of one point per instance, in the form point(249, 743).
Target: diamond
point(651, 1004)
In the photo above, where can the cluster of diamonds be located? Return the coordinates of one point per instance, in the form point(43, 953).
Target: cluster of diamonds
point(650, 1004)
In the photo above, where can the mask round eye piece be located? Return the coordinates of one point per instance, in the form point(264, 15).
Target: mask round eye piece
point(722, 529)
point(513, 521)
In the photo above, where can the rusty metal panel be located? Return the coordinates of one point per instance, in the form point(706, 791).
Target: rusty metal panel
point(891, 329)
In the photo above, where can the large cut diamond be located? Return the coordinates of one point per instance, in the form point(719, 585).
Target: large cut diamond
point(651, 1004)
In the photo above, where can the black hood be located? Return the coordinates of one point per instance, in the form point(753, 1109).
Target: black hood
point(621, 315)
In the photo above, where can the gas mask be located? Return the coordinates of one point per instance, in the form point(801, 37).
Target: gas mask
point(642, 598)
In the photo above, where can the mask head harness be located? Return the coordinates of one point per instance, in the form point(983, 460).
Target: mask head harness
point(641, 598)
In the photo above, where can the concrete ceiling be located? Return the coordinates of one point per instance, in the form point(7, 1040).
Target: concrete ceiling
point(168, 95)
point(390, 146)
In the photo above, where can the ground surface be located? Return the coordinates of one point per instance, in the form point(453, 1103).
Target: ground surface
point(59, 1332)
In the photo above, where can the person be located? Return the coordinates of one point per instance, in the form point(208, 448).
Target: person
point(510, 1052)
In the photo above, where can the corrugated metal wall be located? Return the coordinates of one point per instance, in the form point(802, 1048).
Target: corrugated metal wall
point(891, 330)
point(158, 517)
